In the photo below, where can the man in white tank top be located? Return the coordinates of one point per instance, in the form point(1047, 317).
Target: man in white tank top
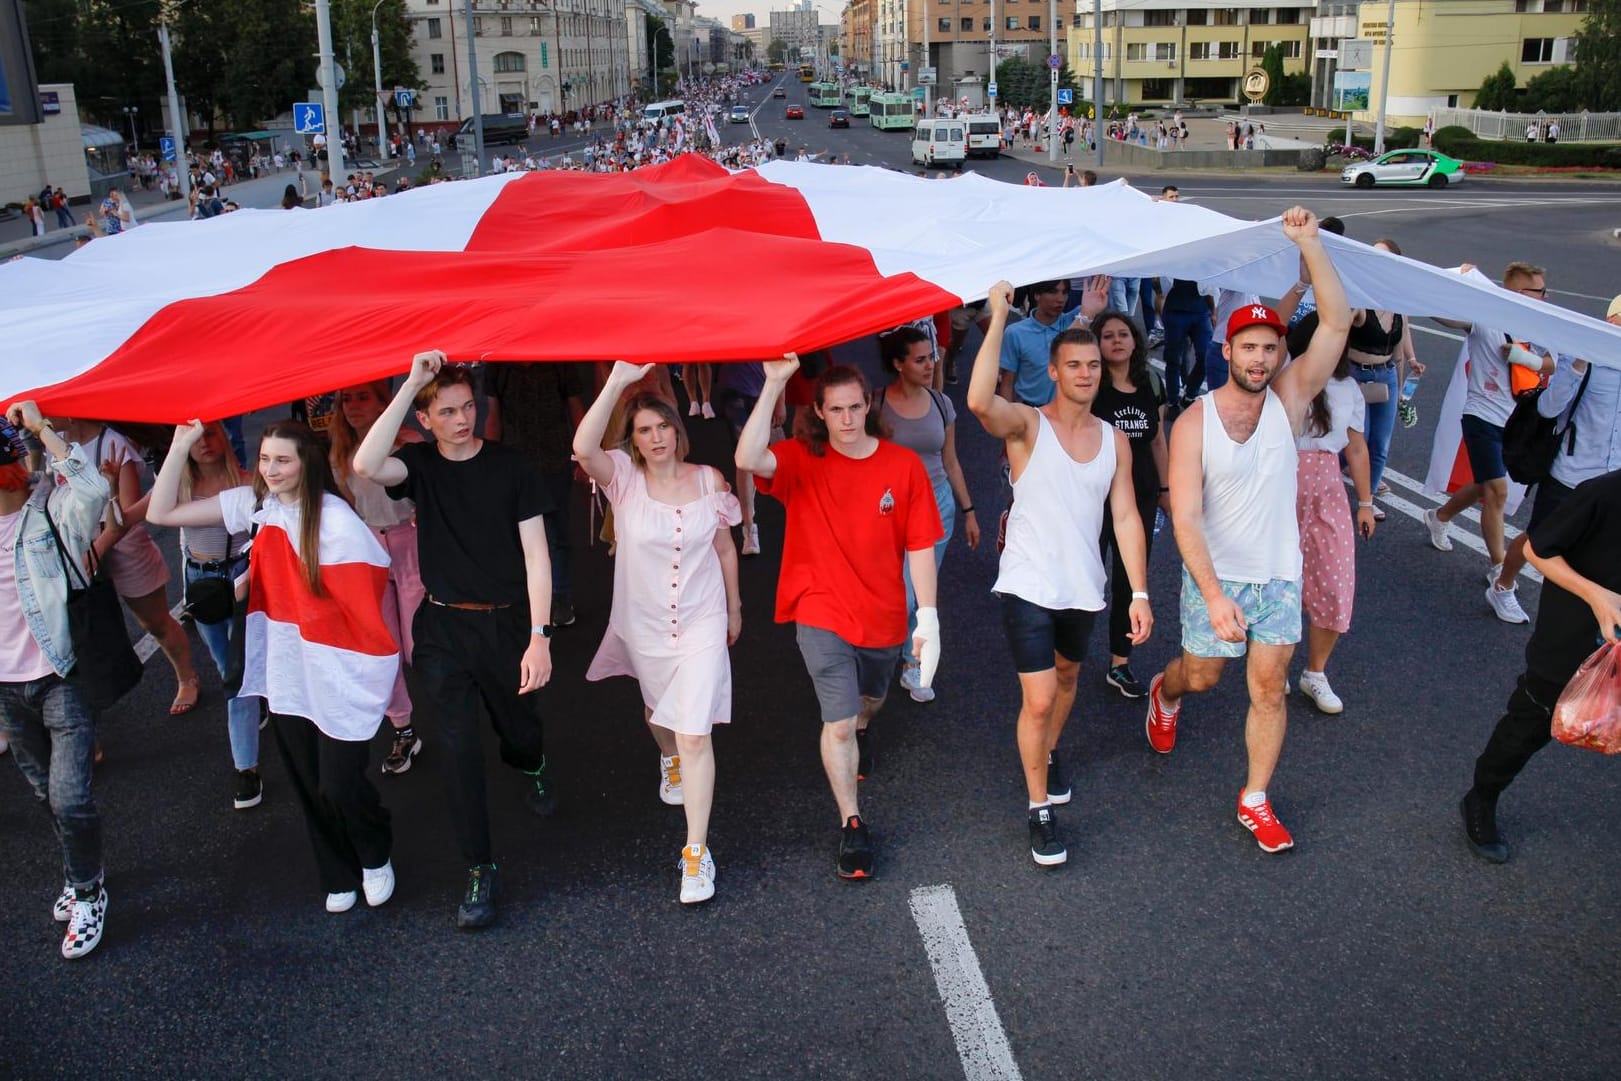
point(1233, 464)
point(1065, 464)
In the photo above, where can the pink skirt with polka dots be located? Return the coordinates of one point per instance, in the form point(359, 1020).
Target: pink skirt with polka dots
point(1327, 542)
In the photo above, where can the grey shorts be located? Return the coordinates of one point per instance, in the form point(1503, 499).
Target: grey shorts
point(844, 674)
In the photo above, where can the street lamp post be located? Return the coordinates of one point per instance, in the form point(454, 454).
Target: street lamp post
point(377, 73)
point(130, 111)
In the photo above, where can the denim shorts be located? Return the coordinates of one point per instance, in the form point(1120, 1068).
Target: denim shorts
point(843, 674)
point(1035, 634)
point(1483, 442)
point(1271, 610)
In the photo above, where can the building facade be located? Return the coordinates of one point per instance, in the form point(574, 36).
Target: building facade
point(955, 37)
point(798, 29)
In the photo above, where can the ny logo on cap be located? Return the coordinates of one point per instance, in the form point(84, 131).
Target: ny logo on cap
point(1257, 312)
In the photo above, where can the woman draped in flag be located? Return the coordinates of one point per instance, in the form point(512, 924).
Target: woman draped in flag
point(316, 647)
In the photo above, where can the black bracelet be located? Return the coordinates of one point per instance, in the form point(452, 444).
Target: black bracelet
point(1164, 489)
point(966, 510)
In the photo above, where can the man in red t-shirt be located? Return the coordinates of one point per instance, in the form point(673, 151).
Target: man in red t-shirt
point(856, 505)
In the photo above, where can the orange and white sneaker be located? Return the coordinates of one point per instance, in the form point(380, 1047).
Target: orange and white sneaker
point(1269, 832)
point(697, 874)
point(670, 780)
point(1161, 723)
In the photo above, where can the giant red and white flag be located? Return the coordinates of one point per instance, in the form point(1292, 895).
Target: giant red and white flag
point(682, 262)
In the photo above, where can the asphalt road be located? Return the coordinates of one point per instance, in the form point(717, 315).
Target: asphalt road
point(1168, 947)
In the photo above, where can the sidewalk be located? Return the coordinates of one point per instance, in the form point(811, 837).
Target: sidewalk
point(1206, 135)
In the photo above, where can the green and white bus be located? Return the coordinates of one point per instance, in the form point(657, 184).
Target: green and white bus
point(860, 101)
point(825, 95)
point(893, 112)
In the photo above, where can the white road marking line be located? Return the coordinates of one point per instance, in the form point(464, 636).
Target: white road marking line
point(149, 645)
point(981, 1041)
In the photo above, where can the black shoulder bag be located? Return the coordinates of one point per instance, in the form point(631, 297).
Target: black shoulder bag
point(105, 667)
point(1531, 441)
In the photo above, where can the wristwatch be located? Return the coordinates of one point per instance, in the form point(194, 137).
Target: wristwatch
point(544, 630)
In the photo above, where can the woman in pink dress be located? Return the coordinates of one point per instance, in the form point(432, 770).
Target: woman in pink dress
point(676, 605)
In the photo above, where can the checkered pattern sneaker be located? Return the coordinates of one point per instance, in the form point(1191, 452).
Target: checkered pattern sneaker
point(87, 918)
point(64, 905)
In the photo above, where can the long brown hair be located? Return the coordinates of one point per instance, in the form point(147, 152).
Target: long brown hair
point(1318, 416)
point(345, 439)
point(655, 404)
point(838, 375)
point(317, 481)
point(228, 469)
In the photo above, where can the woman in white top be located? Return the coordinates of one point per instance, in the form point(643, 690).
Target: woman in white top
point(1327, 536)
point(395, 525)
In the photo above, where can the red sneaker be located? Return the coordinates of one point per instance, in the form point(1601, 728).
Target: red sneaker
point(1161, 723)
point(1269, 832)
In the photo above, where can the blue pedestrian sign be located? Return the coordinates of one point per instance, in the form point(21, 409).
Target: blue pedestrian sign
point(403, 98)
point(1066, 97)
point(309, 118)
point(166, 147)
point(1055, 61)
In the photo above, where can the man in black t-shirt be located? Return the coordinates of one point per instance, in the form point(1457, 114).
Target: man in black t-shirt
point(484, 634)
point(1575, 549)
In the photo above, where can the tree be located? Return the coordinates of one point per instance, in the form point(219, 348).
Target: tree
point(1598, 51)
point(1272, 64)
point(1557, 90)
point(1020, 83)
point(107, 48)
point(1497, 90)
point(351, 40)
point(777, 51)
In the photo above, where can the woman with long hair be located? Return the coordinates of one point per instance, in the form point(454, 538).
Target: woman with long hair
point(214, 552)
point(923, 420)
point(676, 606)
point(394, 523)
point(137, 568)
point(315, 646)
point(1132, 399)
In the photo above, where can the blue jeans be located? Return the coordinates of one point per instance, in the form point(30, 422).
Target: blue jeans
point(53, 738)
point(1181, 328)
point(1149, 287)
point(947, 503)
point(1215, 366)
point(1124, 294)
point(241, 714)
point(1380, 419)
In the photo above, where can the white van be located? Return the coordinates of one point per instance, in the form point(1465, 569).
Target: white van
point(661, 109)
point(940, 142)
point(984, 135)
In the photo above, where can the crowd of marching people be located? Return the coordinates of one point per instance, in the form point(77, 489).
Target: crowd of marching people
point(383, 530)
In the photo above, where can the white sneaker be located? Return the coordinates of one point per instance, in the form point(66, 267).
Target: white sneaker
point(708, 411)
point(1505, 605)
point(692, 409)
point(697, 874)
point(341, 902)
point(1314, 685)
point(751, 540)
point(909, 680)
point(63, 908)
point(86, 919)
point(670, 780)
point(1438, 531)
point(378, 883)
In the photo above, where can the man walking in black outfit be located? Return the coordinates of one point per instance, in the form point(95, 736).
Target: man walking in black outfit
point(1575, 549)
point(484, 635)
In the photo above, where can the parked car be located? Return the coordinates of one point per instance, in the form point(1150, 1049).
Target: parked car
point(740, 114)
point(838, 118)
point(794, 112)
point(1405, 168)
point(498, 128)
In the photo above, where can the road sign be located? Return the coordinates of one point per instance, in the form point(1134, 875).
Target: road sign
point(990, 90)
point(320, 75)
point(1055, 61)
point(166, 147)
point(309, 118)
point(405, 99)
point(1356, 54)
point(906, 65)
point(1066, 97)
point(926, 76)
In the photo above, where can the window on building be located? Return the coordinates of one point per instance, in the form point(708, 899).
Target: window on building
point(1229, 50)
point(1224, 17)
point(534, 26)
point(967, 25)
point(436, 28)
point(1198, 17)
point(478, 27)
point(1287, 16)
point(945, 26)
point(1011, 22)
point(506, 26)
point(1078, 21)
point(987, 26)
point(1033, 22)
point(441, 108)
point(1198, 50)
point(1136, 50)
point(1260, 16)
point(507, 63)
point(1161, 17)
point(436, 63)
point(1536, 51)
point(1159, 89)
point(1291, 49)
point(1553, 5)
point(1167, 50)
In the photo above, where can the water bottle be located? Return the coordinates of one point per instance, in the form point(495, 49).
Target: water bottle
point(1406, 411)
point(1409, 388)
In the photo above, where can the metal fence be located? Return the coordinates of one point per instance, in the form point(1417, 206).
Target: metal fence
point(1573, 127)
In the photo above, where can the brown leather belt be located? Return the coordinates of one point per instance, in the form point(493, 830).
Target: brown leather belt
point(467, 606)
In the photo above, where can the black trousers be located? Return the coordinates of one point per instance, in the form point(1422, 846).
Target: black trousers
point(464, 659)
point(1523, 731)
point(349, 826)
point(1119, 584)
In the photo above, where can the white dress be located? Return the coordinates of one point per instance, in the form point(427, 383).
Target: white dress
point(667, 629)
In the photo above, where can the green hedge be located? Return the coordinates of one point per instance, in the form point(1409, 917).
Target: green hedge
point(1460, 142)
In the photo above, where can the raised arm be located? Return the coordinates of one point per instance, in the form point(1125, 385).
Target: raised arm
point(1308, 373)
point(372, 457)
point(163, 502)
point(754, 443)
point(1000, 417)
point(588, 435)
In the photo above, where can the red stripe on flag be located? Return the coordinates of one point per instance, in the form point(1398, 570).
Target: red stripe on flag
point(348, 616)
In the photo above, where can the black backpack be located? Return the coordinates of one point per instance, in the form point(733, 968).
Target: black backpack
point(1531, 441)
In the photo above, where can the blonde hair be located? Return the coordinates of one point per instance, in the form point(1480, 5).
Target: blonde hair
point(227, 469)
point(1518, 271)
point(345, 439)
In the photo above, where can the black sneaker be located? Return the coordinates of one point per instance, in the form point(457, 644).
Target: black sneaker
point(478, 904)
point(1045, 847)
point(562, 612)
point(863, 755)
point(1057, 780)
point(1480, 827)
point(855, 850)
point(542, 795)
point(249, 789)
point(407, 745)
point(1121, 679)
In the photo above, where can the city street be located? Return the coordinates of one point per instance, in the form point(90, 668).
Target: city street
point(1169, 946)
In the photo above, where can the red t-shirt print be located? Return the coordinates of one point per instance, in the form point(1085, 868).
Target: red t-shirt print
point(851, 522)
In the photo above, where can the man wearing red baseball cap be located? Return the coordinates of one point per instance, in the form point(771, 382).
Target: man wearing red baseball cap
point(1232, 474)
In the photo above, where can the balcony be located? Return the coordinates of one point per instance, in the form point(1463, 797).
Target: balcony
point(1334, 26)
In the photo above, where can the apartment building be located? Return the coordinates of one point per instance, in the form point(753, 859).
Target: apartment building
point(955, 37)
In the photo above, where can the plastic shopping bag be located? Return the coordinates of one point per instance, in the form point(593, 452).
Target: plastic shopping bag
point(1588, 713)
